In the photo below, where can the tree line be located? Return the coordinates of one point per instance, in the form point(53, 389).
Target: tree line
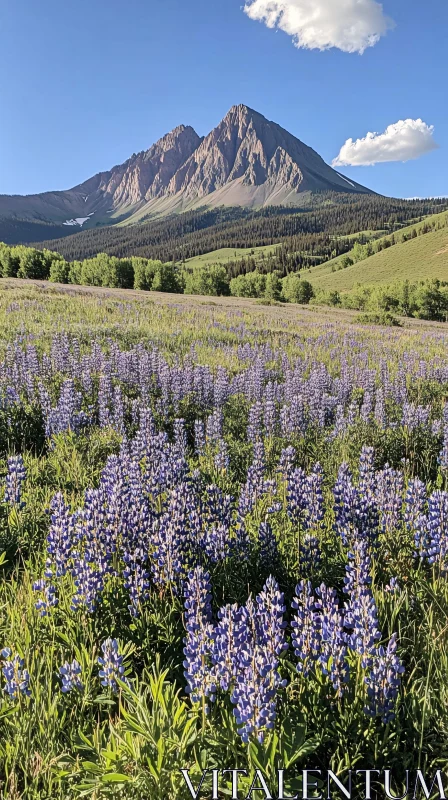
point(425, 299)
point(194, 233)
point(149, 275)
point(362, 250)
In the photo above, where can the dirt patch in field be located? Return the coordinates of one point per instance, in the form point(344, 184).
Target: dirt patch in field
point(442, 251)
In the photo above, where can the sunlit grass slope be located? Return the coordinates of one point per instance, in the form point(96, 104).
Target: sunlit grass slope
point(422, 258)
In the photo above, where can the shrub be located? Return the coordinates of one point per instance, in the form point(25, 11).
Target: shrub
point(382, 318)
point(296, 289)
point(210, 279)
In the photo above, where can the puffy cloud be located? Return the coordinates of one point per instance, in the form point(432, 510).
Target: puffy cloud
point(405, 140)
point(350, 25)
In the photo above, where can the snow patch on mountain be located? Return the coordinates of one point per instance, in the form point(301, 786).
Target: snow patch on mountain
point(345, 179)
point(79, 221)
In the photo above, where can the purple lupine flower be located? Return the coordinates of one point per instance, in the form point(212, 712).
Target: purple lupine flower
point(222, 459)
point(380, 409)
point(216, 542)
point(255, 423)
point(60, 535)
point(136, 581)
point(14, 481)
point(310, 554)
point(269, 417)
point(383, 682)
point(414, 416)
point(180, 438)
point(258, 679)
point(293, 417)
point(306, 628)
point(268, 547)
point(275, 508)
point(221, 387)
point(358, 567)
point(17, 678)
point(217, 506)
point(91, 563)
point(257, 485)
point(198, 670)
point(415, 502)
point(361, 617)
point(421, 537)
point(67, 414)
point(436, 427)
point(199, 437)
point(443, 456)
point(286, 463)
point(269, 621)
point(345, 506)
point(214, 427)
point(352, 414)
point(367, 470)
point(118, 410)
point(70, 676)
point(333, 648)
point(367, 407)
point(228, 634)
point(296, 495)
point(89, 584)
point(111, 663)
point(362, 621)
point(314, 501)
point(437, 530)
point(175, 538)
point(304, 498)
point(48, 597)
point(367, 510)
point(104, 398)
point(242, 540)
point(390, 485)
point(340, 424)
point(393, 586)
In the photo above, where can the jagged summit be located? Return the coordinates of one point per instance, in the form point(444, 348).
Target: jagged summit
point(247, 160)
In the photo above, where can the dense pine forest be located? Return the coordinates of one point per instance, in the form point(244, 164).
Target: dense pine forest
point(307, 234)
point(14, 230)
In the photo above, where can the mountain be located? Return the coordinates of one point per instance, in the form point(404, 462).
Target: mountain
point(105, 197)
point(249, 161)
point(245, 161)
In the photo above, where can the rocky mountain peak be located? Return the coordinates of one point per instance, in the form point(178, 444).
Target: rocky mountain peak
point(246, 160)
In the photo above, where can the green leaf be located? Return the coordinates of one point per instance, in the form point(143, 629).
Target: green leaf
point(89, 766)
point(115, 777)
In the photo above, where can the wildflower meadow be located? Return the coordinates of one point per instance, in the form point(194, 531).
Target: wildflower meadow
point(223, 543)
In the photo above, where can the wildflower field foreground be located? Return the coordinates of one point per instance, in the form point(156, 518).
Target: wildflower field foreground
point(224, 544)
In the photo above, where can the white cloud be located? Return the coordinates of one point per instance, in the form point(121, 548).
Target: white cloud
point(405, 140)
point(350, 25)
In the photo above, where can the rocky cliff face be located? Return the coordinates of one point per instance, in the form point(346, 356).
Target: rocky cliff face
point(143, 176)
point(246, 148)
point(148, 174)
point(246, 160)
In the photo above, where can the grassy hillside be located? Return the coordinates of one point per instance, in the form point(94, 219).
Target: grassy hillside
point(421, 258)
point(226, 254)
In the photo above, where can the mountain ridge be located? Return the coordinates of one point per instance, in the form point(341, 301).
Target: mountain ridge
point(246, 160)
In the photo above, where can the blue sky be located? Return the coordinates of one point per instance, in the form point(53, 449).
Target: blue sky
point(84, 85)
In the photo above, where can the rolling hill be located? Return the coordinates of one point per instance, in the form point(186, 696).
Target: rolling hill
point(419, 258)
point(228, 254)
